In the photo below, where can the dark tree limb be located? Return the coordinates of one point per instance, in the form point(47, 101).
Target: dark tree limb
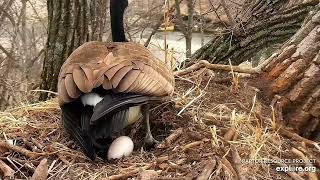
point(265, 24)
point(70, 25)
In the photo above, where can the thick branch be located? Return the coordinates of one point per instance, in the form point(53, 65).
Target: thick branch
point(206, 64)
point(267, 24)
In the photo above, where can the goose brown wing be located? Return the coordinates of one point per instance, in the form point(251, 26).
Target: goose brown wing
point(122, 67)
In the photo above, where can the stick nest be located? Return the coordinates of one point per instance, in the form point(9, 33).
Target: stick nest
point(212, 125)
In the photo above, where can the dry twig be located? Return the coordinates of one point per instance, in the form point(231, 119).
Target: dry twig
point(176, 167)
point(228, 167)
point(296, 137)
point(207, 170)
point(162, 159)
point(237, 162)
point(37, 143)
point(29, 166)
point(148, 175)
point(312, 175)
point(228, 136)
point(312, 156)
point(21, 150)
point(41, 172)
point(210, 115)
point(129, 173)
point(171, 138)
point(206, 64)
point(7, 171)
point(193, 144)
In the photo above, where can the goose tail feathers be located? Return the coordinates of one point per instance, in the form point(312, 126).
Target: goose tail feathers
point(76, 131)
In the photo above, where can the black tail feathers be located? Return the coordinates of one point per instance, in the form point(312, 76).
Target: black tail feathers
point(72, 126)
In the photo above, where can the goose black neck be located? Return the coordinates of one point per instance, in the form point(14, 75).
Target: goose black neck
point(117, 8)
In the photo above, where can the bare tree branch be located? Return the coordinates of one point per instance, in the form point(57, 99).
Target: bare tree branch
point(8, 54)
point(230, 18)
point(4, 12)
point(156, 27)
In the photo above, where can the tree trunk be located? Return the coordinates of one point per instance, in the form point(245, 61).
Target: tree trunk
point(263, 24)
point(188, 45)
point(292, 78)
point(71, 23)
point(188, 34)
point(186, 29)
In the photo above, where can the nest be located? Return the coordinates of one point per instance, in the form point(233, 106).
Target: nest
point(214, 127)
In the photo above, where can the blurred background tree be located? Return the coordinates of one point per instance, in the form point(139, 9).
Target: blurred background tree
point(70, 24)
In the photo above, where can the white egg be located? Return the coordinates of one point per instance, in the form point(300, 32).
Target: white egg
point(122, 146)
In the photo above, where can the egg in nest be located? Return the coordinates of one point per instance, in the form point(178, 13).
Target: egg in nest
point(122, 146)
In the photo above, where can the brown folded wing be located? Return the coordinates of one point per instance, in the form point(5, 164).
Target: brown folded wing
point(122, 67)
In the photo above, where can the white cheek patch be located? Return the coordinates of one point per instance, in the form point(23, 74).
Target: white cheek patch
point(91, 99)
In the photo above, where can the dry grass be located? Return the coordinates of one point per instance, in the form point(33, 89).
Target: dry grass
point(213, 117)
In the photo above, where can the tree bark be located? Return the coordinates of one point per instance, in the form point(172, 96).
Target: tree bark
point(71, 23)
point(188, 34)
point(186, 29)
point(263, 24)
point(292, 78)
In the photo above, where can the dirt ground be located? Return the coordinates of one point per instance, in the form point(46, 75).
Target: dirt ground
point(209, 128)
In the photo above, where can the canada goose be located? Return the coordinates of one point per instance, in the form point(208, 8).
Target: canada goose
point(104, 87)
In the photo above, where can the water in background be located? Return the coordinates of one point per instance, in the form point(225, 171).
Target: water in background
point(175, 40)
